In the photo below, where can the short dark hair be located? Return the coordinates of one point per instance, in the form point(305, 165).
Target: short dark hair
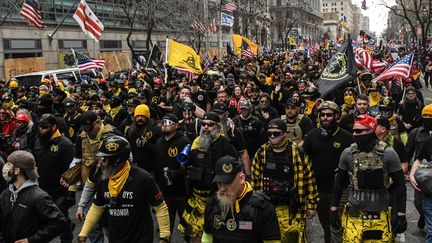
point(363, 97)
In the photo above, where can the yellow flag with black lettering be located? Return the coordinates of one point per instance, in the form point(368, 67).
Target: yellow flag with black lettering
point(183, 56)
point(237, 44)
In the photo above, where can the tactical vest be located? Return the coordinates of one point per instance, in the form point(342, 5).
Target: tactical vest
point(293, 129)
point(243, 228)
point(278, 176)
point(200, 172)
point(369, 172)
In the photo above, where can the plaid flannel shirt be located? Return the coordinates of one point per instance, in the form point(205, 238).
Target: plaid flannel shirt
point(304, 179)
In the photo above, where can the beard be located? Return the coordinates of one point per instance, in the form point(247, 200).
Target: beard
point(226, 202)
point(107, 171)
point(44, 138)
point(205, 139)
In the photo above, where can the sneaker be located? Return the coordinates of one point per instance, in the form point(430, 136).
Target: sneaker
point(421, 222)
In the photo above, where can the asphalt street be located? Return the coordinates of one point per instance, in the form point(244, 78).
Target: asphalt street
point(314, 230)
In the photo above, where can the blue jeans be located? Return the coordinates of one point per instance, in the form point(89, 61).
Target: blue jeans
point(427, 210)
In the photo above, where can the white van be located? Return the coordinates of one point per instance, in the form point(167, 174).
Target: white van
point(36, 78)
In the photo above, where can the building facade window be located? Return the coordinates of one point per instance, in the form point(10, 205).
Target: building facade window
point(21, 48)
point(110, 45)
point(66, 45)
point(214, 44)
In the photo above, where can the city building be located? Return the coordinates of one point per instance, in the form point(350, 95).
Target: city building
point(344, 9)
point(365, 24)
point(300, 19)
point(172, 19)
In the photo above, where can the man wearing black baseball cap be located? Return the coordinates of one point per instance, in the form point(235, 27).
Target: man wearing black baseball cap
point(237, 212)
point(206, 150)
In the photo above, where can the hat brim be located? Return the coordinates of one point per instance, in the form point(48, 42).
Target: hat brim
point(226, 179)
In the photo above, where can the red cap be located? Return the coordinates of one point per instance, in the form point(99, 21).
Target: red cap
point(367, 121)
point(23, 117)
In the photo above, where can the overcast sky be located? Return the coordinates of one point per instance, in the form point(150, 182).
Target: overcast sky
point(377, 14)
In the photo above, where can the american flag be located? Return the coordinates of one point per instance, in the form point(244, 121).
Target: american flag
point(199, 26)
point(88, 21)
point(246, 50)
point(31, 13)
point(400, 68)
point(364, 59)
point(86, 62)
point(228, 7)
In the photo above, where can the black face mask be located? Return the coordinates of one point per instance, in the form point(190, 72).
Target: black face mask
point(427, 123)
point(366, 142)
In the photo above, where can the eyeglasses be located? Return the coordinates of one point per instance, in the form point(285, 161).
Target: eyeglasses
point(359, 130)
point(326, 114)
point(273, 134)
point(166, 122)
point(208, 124)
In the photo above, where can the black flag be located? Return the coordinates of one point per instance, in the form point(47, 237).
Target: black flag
point(155, 56)
point(229, 50)
point(339, 70)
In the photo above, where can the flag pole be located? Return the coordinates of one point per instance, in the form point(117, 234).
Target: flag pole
point(76, 62)
point(166, 60)
point(50, 36)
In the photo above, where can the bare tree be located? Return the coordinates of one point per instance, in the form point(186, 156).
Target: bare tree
point(416, 14)
point(148, 16)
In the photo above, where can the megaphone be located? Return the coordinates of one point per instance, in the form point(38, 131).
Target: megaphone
point(183, 157)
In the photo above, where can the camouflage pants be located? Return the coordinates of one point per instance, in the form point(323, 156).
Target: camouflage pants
point(366, 227)
point(292, 230)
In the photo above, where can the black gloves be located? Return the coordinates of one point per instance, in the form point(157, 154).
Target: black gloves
point(400, 225)
point(335, 219)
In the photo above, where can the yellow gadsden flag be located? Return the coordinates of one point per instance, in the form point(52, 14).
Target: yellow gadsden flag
point(183, 56)
point(292, 41)
point(237, 43)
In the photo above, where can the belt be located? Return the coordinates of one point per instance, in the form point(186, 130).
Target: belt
point(356, 213)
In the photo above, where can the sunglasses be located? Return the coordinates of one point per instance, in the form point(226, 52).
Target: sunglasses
point(166, 122)
point(358, 130)
point(273, 134)
point(326, 114)
point(208, 124)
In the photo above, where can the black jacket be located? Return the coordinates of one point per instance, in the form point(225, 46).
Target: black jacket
point(33, 215)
